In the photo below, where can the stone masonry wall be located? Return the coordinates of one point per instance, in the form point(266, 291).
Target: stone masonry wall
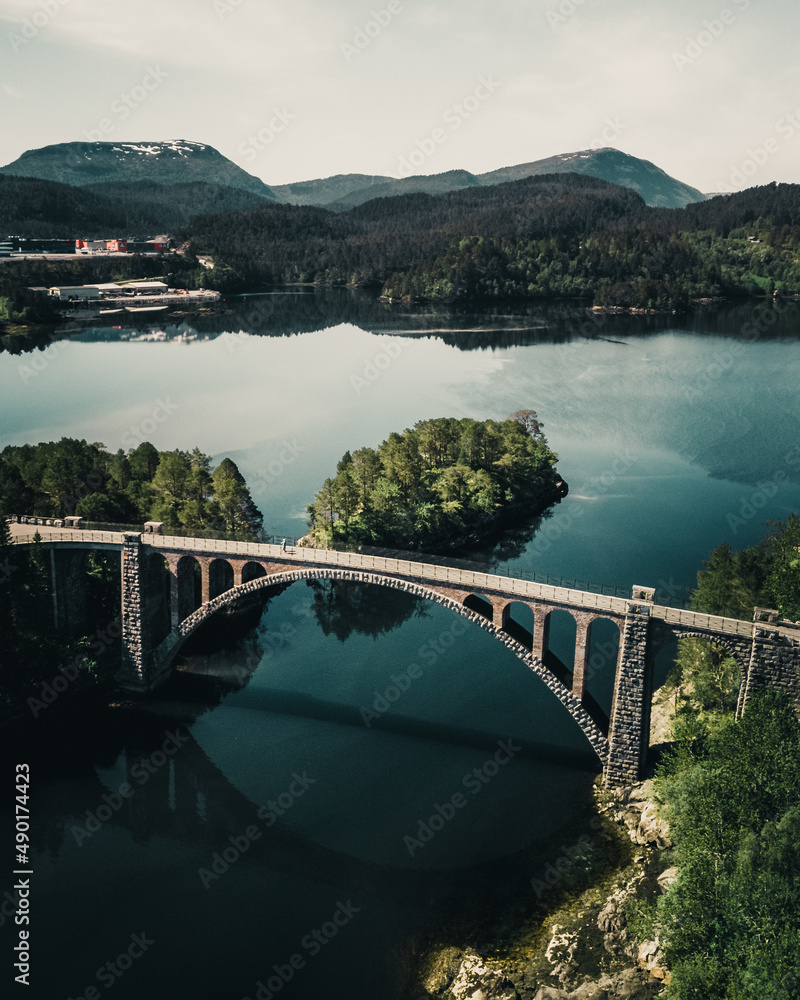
point(135, 641)
point(631, 708)
point(774, 663)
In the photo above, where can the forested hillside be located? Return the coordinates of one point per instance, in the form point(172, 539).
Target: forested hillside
point(370, 242)
point(551, 236)
point(542, 237)
point(65, 477)
point(46, 209)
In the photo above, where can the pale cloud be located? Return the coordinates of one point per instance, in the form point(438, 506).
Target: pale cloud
point(231, 65)
point(249, 38)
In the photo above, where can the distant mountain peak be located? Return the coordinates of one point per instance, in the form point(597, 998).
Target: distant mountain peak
point(168, 161)
point(609, 164)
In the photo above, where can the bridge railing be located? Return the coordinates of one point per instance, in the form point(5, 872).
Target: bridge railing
point(79, 536)
point(49, 521)
point(452, 576)
point(703, 622)
point(509, 572)
point(225, 536)
point(565, 582)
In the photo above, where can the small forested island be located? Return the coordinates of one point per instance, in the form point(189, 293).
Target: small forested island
point(440, 484)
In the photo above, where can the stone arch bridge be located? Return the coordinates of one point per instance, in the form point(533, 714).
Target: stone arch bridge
point(171, 585)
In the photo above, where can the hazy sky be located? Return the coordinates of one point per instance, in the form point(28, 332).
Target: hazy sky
point(298, 89)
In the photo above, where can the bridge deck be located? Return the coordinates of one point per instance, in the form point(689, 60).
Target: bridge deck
point(401, 569)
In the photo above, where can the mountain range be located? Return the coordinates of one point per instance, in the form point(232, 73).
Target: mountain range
point(345, 191)
point(140, 172)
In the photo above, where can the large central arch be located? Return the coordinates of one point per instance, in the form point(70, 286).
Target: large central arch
point(164, 653)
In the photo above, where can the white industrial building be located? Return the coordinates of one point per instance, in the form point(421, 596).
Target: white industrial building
point(110, 290)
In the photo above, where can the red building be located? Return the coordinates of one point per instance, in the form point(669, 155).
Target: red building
point(159, 245)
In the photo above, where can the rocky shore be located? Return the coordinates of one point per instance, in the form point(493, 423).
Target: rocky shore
point(581, 950)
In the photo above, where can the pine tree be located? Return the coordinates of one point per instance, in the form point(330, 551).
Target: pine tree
point(239, 513)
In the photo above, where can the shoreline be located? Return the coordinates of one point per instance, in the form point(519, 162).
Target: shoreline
point(579, 947)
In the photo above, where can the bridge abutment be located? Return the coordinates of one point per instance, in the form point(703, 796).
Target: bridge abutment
point(629, 733)
point(774, 661)
point(139, 671)
point(135, 639)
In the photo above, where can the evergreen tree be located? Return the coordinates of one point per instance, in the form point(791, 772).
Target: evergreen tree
point(239, 513)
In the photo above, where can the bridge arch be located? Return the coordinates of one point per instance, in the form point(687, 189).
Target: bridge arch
point(603, 644)
point(190, 586)
point(480, 604)
point(220, 577)
point(667, 634)
point(560, 652)
point(170, 647)
point(158, 601)
point(519, 621)
point(742, 656)
point(739, 649)
point(253, 571)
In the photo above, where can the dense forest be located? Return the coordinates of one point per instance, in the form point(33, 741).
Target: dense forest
point(438, 484)
point(366, 245)
point(765, 575)
point(541, 237)
point(730, 925)
point(179, 488)
point(66, 477)
point(544, 237)
point(38, 208)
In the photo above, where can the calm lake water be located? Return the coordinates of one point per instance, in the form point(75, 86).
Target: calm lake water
point(674, 435)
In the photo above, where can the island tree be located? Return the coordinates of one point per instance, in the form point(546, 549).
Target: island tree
point(440, 483)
